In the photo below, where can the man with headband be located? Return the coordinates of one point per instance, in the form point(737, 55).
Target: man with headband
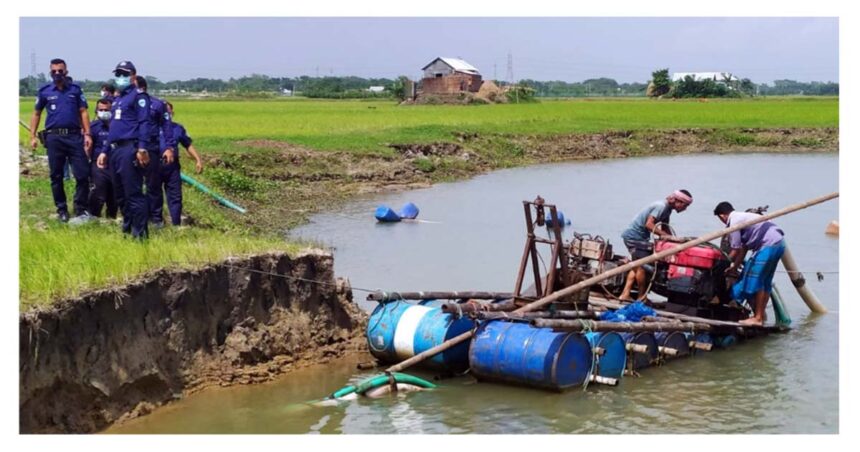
point(654, 219)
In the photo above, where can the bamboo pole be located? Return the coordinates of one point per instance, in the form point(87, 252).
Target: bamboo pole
point(615, 271)
point(800, 283)
point(475, 306)
point(619, 327)
point(536, 315)
point(438, 295)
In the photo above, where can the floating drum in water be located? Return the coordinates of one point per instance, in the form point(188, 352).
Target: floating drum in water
point(673, 345)
point(562, 221)
point(642, 348)
point(522, 354)
point(409, 211)
point(386, 214)
point(725, 341)
point(398, 331)
point(613, 354)
point(832, 228)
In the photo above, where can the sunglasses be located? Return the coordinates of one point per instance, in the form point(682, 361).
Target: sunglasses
point(122, 73)
point(58, 71)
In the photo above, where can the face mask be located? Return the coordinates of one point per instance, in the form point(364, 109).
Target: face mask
point(122, 81)
point(58, 77)
point(105, 93)
point(103, 115)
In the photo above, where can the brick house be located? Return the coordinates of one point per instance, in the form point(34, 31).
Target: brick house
point(450, 76)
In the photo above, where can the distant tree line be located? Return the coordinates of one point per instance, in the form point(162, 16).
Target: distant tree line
point(689, 87)
point(350, 87)
point(320, 87)
point(592, 87)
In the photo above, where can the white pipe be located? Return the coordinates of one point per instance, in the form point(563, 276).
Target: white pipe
point(799, 283)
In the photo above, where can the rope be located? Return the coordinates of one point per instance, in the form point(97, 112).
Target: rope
point(297, 278)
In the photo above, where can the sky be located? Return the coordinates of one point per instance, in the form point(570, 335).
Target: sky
point(569, 49)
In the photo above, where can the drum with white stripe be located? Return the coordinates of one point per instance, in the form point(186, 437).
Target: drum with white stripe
point(397, 331)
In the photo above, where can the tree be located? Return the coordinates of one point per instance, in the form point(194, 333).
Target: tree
point(400, 87)
point(661, 83)
point(747, 87)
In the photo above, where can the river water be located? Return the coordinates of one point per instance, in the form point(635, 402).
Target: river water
point(472, 239)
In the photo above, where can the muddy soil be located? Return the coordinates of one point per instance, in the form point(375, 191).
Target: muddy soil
point(116, 354)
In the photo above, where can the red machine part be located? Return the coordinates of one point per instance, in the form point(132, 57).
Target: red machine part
point(698, 256)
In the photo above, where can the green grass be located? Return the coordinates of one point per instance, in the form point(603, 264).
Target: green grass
point(64, 261)
point(59, 261)
point(368, 126)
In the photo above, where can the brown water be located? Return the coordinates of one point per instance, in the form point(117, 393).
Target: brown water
point(784, 383)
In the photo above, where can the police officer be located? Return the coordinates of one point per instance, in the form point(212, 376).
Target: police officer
point(101, 190)
point(66, 137)
point(159, 126)
point(126, 155)
point(108, 91)
point(170, 169)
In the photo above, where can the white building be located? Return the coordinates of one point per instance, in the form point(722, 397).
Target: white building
point(376, 89)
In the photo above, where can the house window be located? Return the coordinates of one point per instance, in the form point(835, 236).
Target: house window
point(438, 75)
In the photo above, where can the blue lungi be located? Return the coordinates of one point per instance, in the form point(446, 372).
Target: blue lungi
point(758, 272)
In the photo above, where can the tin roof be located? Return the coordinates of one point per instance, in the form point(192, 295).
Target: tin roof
point(456, 64)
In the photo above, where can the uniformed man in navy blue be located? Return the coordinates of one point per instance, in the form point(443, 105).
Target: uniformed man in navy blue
point(101, 189)
point(126, 155)
point(160, 128)
point(170, 169)
point(107, 91)
point(67, 137)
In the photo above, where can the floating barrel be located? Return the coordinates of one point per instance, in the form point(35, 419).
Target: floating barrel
point(673, 345)
point(611, 362)
point(399, 330)
point(409, 211)
point(637, 359)
point(386, 214)
point(522, 354)
point(725, 341)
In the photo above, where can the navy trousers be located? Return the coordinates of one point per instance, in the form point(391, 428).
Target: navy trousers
point(62, 149)
point(101, 191)
point(153, 185)
point(128, 184)
point(170, 176)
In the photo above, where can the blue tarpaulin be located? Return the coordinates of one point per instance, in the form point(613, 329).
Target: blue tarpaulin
point(630, 313)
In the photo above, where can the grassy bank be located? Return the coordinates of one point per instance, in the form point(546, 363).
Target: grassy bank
point(60, 260)
point(285, 159)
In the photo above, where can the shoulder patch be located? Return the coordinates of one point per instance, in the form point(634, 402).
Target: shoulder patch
point(167, 116)
point(83, 98)
point(141, 102)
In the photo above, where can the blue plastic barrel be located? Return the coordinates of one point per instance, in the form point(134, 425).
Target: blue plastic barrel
point(519, 353)
point(399, 330)
point(409, 211)
point(386, 214)
point(562, 221)
point(640, 360)
point(725, 341)
point(611, 363)
point(676, 340)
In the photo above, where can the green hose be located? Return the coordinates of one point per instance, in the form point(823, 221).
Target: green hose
point(380, 380)
point(779, 309)
point(205, 189)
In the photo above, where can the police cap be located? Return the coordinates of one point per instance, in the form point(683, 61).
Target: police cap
point(125, 66)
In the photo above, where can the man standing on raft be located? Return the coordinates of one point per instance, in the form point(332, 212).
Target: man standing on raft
point(767, 243)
